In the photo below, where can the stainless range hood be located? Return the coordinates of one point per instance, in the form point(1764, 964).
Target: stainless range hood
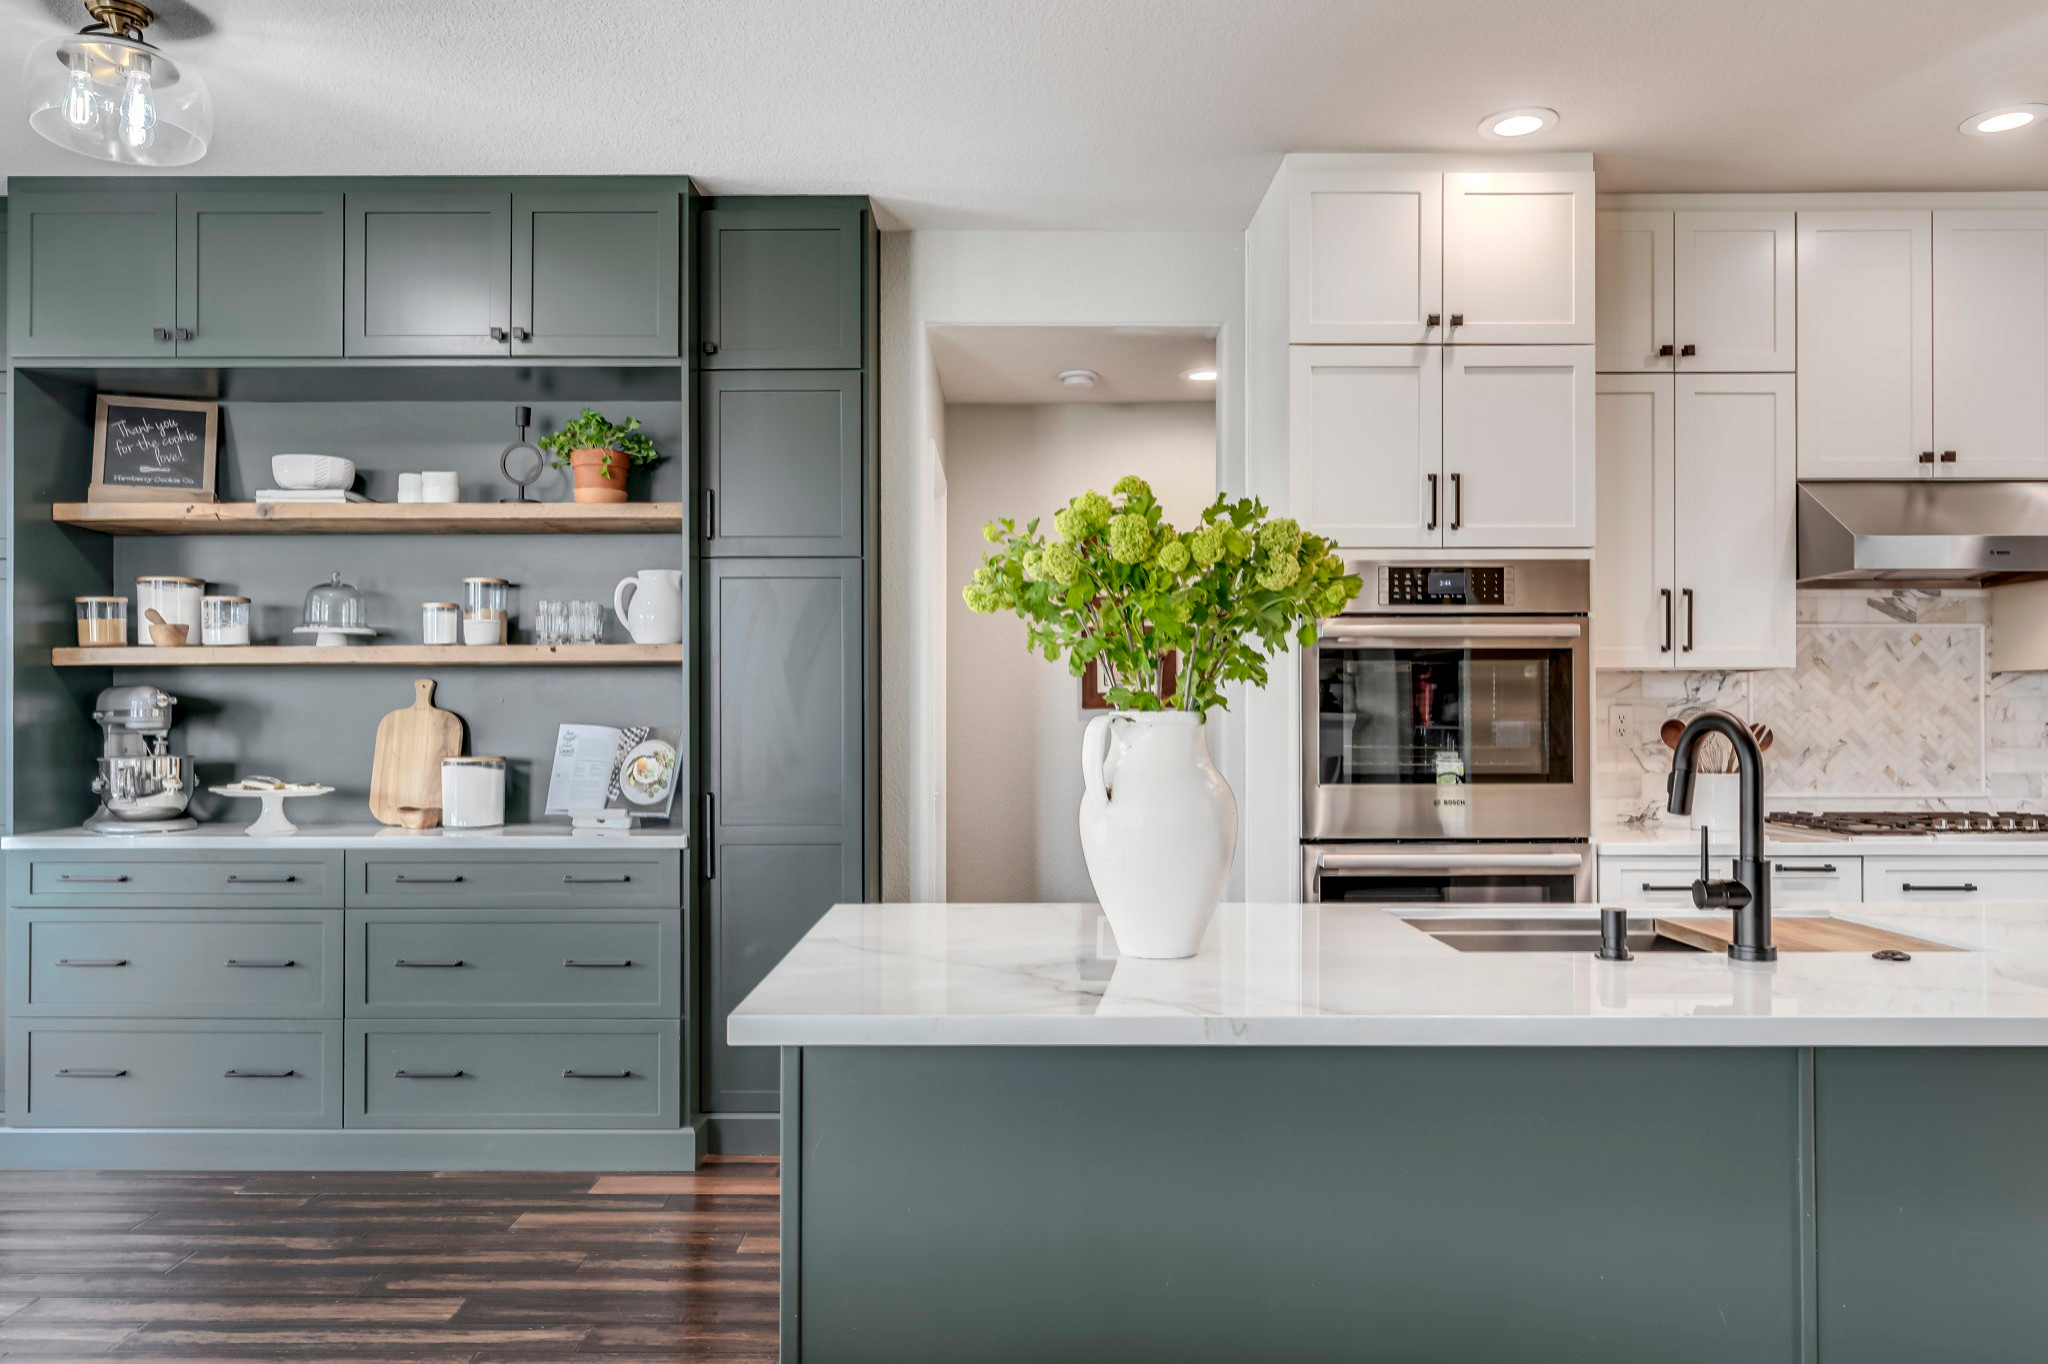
point(1935, 533)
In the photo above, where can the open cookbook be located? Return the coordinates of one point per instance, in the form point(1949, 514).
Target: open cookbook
point(600, 768)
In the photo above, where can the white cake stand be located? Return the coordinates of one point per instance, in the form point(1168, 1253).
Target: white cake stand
point(271, 822)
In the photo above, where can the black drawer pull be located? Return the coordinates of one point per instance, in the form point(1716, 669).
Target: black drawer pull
point(252, 964)
point(1825, 869)
point(93, 880)
point(258, 1074)
point(436, 965)
point(597, 1075)
point(90, 1074)
point(1967, 888)
point(429, 1075)
point(1687, 889)
point(578, 961)
point(404, 880)
point(92, 961)
point(595, 880)
point(235, 880)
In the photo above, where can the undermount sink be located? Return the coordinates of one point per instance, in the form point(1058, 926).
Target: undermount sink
point(1536, 933)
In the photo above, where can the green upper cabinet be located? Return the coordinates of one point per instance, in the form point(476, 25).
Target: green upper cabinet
point(596, 273)
point(92, 274)
point(259, 274)
point(430, 273)
point(782, 288)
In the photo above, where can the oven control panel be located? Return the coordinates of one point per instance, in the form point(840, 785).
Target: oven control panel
point(1446, 585)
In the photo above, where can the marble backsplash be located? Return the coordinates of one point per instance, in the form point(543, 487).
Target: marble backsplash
point(1891, 706)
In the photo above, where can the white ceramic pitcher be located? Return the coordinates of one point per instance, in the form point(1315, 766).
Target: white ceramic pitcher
point(1158, 828)
point(650, 605)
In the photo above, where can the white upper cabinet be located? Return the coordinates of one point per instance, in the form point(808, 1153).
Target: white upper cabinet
point(1365, 443)
point(1866, 344)
point(1633, 250)
point(1365, 257)
point(1991, 343)
point(1518, 257)
point(1634, 599)
point(1733, 284)
point(1518, 446)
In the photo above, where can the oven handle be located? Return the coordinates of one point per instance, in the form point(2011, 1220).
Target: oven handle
point(1336, 861)
point(1339, 631)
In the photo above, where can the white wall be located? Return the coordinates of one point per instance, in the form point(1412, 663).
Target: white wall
point(1013, 720)
point(998, 279)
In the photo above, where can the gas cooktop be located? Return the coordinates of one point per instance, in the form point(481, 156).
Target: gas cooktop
point(1906, 823)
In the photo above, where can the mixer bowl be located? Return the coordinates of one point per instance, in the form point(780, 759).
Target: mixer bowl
point(140, 789)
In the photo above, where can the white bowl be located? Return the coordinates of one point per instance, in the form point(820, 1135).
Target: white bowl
point(305, 472)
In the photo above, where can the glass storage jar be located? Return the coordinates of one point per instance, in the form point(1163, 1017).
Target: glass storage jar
point(102, 622)
point(483, 610)
point(472, 793)
point(175, 599)
point(440, 622)
point(223, 621)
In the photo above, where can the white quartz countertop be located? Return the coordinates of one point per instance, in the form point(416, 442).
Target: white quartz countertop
point(1356, 975)
point(1673, 837)
point(227, 837)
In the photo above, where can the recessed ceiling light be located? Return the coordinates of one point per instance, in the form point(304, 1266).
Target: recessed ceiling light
point(1200, 376)
point(2009, 119)
point(1516, 123)
point(1078, 378)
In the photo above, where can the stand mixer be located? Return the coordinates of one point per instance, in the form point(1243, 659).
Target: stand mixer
point(143, 787)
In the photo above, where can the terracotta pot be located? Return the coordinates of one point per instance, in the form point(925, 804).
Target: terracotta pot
point(591, 483)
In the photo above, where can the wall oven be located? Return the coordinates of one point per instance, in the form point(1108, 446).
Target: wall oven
point(1446, 735)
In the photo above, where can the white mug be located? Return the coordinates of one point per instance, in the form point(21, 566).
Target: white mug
point(408, 487)
point(438, 485)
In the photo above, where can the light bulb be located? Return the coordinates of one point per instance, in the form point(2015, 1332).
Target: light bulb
point(2005, 123)
point(81, 106)
point(138, 110)
point(1520, 125)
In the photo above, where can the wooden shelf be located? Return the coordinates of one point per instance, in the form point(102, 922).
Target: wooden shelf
point(373, 655)
point(372, 518)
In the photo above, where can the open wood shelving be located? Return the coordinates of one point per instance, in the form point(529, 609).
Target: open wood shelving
point(371, 655)
point(372, 518)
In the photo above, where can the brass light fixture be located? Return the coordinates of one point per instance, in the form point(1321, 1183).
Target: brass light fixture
point(107, 92)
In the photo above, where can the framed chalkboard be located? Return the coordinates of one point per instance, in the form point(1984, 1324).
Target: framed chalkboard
point(153, 450)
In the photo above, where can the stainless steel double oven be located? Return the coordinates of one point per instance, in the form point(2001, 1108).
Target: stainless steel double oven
point(1446, 749)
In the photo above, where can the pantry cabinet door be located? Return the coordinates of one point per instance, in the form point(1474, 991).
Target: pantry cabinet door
point(1736, 551)
point(1518, 446)
point(1734, 287)
point(1634, 298)
point(1365, 443)
point(1866, 343)
point(430, 273)
point(782, 288)
point(1634, 601)
point(1991, 356)
point(259, 274)
point(92, 274)
point(1365, 257)
point(1518, 258)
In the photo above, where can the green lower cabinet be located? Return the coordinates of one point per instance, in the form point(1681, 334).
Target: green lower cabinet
point(174, 963)
point(513, 1073)
point(472, 963)
point(492, 880)
point(173, 1073)
point(172, 880)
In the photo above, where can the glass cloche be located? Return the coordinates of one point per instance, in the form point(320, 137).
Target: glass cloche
point(335, 614)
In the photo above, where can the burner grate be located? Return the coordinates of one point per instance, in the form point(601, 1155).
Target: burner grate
point(1911, 823)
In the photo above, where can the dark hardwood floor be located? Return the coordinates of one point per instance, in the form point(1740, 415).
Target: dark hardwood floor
point(480, 1268)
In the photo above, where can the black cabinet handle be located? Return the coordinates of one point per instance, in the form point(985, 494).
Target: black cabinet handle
point(93, 1074)
point(428, 1075)
point(569, 880)
point(1825, 869)
point(251, 964)
point(498, 334)
point(1457, 501)
point(430, 965)
point(597, 1075)
point(1433, 320)
point(92, 961)
point(1457, 319)
point(1689, 636)
point(1435, 498)
point(710, 514)
point(1665, 350)
point(159, 333)
point(258, 1074)
point(710, 348)
point(1948, 457)
point(1686, 889)
point(710, 859)
point(1967, 888)
point(1665, 648)
point(1688, 349)
point(404, 880)
point(522, 334)
point(237, 880)
point(593, 964)
point(92, 880)
point(181, 333)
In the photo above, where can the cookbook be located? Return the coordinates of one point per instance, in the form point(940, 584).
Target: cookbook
point(600, 767)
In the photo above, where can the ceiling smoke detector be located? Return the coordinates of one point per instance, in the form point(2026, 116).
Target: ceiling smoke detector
point(1514, 124)
point(1079, 378)
point(2009, 119)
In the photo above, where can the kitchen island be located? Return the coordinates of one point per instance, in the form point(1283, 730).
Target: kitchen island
point(1333, 1136)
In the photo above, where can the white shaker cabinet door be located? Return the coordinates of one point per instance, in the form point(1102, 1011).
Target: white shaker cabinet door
point(1733, 285)
point(1365, 257)
point(1365, 443)
point(1518, 446)
point(1633, 248)
point(1736, 485)
point(1991, 343)
point(1518, 257)
point(1866, 343)
point(1634, 601)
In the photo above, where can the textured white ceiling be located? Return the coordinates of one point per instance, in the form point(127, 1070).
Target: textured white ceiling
point(1089, 113)
point(1023, 364)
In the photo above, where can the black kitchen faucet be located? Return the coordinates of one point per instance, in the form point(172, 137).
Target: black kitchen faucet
point(1749, 893)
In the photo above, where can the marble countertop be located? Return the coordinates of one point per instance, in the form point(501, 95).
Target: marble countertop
point(1672, 836)
point(223, 837)
point(1356, 975)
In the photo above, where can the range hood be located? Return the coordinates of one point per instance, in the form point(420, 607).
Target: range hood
point(1930, 532)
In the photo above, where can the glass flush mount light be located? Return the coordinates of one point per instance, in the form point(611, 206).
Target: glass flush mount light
point(107, 92)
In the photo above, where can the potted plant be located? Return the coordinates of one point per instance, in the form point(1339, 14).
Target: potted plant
point(599, 451)
point(1121, 587)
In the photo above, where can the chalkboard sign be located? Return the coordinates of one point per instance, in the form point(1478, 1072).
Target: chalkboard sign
point(153, 450)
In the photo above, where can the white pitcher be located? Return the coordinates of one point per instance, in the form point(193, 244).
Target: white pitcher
point(1158, 828)
point(650, 605)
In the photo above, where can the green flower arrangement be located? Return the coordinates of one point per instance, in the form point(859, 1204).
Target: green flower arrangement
point(1120, 587)
point(592, 430)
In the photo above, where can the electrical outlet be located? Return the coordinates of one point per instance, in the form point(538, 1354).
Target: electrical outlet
point(1621, 726)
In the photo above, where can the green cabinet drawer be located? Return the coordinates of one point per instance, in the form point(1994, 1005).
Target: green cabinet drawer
point(513, 1073)
point(493, 963)
point(197, 1073)
point(172, 963)
point(178, 881)
point(493, 880)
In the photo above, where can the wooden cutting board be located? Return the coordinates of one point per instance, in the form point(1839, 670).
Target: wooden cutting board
point(410, 745)
point(1796, 934)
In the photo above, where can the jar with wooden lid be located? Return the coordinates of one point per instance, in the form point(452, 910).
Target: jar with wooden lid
point(484, 613)
point(223, 621)
point(102, 622)
point(175, 599)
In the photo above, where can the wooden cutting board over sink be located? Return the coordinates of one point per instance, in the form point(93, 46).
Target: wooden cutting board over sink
point(1795, 933)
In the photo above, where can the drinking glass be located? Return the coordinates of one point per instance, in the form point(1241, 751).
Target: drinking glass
point(586, 622)
point(548, 625)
